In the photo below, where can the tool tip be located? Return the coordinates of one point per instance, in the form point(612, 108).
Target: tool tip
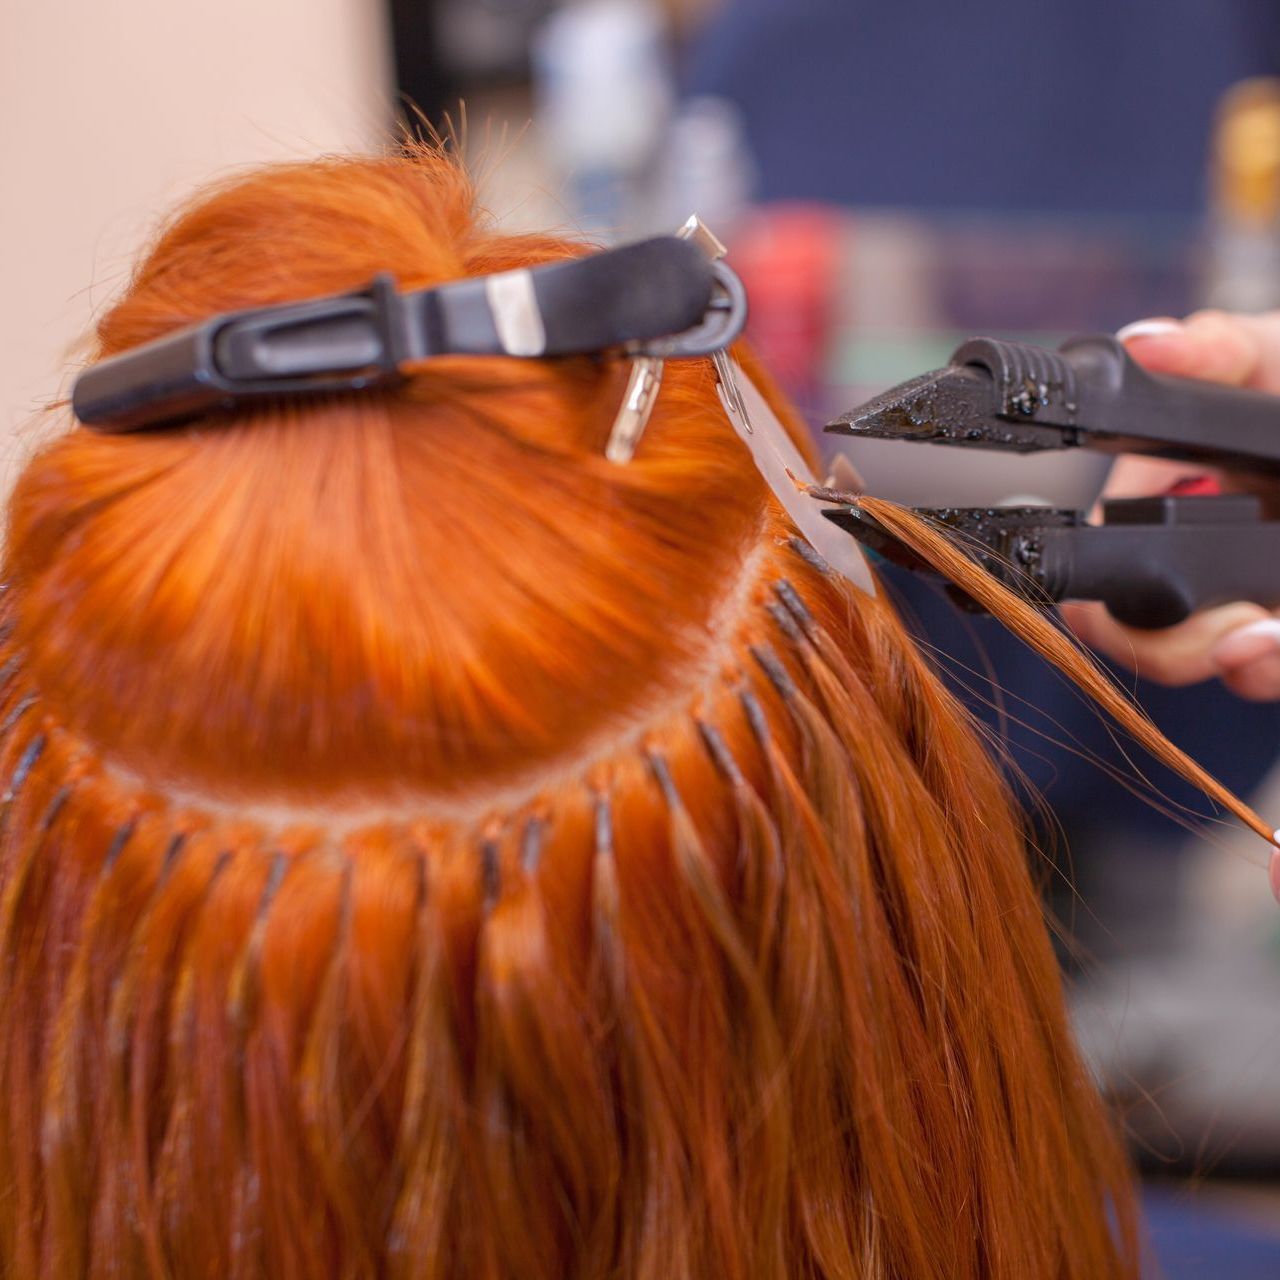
point(929, 407)
point(902, 411)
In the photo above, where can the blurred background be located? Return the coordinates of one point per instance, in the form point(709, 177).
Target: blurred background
point(890, 178)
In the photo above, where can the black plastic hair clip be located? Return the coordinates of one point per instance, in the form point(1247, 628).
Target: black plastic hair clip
point(662, 299)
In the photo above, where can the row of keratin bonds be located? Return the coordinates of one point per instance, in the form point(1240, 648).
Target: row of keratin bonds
point(161, 878)
point(140, 951)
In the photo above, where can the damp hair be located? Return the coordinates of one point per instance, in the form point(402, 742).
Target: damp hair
point(430, 850)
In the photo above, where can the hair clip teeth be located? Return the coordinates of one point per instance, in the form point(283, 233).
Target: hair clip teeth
point(646, 370)
point(637, 406)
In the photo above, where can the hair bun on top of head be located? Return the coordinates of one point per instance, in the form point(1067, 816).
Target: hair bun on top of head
point(428, 849)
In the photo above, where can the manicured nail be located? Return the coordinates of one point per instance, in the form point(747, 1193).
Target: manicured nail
point(1273, 871)
point(1248, 643)
point(1149, 329)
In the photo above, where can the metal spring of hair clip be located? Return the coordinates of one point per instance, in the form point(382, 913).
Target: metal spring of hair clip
point(725, 312)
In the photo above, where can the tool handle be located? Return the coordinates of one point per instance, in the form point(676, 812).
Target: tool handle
point(1155, 560)
point(1125, 409)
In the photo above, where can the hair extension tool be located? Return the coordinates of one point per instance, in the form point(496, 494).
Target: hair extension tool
point(1151, 561)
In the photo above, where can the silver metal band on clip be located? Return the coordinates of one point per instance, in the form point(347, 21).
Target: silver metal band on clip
point(515, 313)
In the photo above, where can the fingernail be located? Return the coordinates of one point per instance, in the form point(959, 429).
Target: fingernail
point(1149, 329)
point(1273, 871)
point(1248, 643)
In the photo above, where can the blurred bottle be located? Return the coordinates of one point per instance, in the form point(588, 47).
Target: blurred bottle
point(789, 257)
point(1244, 232)
point(603, 89)
point(705, 168)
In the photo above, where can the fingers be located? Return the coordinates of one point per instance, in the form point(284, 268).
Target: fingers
point(1185, 654)
point(1237, 349)
point(1249, 660)
point(1240, 642)
point(1208, 345)
point(1257, 682)
point(1133, 476)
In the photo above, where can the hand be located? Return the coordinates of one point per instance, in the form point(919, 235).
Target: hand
point(1240, 643)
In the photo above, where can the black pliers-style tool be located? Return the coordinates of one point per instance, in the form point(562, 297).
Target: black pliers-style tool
point(1151, 561)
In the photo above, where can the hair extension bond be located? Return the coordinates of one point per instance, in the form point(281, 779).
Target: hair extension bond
point(430, 850)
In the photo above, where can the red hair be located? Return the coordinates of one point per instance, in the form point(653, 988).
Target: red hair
point(431, 850)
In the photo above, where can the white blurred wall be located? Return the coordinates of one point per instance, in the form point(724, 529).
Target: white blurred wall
point(112, 109)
